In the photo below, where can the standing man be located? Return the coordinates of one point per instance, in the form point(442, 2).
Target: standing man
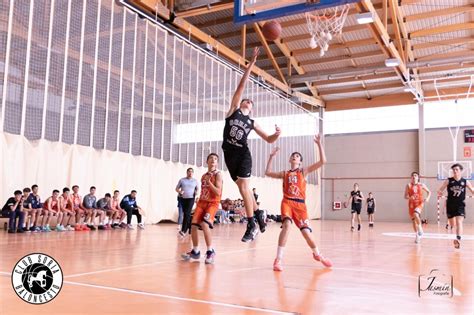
point(455, 204)
point(187, 190)
point(238, 159)
point(356, 206)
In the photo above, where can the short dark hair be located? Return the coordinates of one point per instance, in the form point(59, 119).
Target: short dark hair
point(301, 157)
point(190, 169)
point(413, 173)
point(26, 189)
point(457, 165)
point(116, 191)
point(212, 154)
point(65, 189)
point(17, 192)
point(108, 195)
point(133, 191)
point(92, 187)
point(34, 186)
point(55, 191)
point(75, 186)
point(246, 99)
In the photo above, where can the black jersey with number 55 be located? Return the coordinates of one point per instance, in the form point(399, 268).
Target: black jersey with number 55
point(236, 130)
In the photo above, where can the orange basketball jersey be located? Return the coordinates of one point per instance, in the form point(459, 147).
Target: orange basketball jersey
point(415, 192)
point(206, 192)
point(54, 204)
point(294, 184)
point(76, 200)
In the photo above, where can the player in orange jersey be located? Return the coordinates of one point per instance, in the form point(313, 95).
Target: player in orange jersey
point(75, 204)
point(293, 207)
point(207, 206)
point(50, 209)
point(414, 194)
point(68, 214)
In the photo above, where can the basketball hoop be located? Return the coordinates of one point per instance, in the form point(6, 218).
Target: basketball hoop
point(324, 24)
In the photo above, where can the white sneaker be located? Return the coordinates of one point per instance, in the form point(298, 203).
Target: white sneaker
point(417, 239)
point(141, 226)
point(130, 227)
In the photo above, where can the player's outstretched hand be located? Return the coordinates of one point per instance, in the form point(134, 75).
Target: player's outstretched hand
point(256, 52)
point(277, 130)
point(317, 139)
point(274, 151)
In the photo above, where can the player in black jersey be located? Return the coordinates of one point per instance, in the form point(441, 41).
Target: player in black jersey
point(237, 155)
point(356, 206)
point(455, 205)
point(371, 209)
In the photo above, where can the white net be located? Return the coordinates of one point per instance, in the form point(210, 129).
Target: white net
point(324, 24)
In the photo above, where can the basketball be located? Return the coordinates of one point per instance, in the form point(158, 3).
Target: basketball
point(271, 30)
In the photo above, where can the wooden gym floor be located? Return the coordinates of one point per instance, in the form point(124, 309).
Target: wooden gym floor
point(140, 272)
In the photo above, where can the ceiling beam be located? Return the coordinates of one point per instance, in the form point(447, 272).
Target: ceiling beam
point(206, 9)
point(442, 29)
point(457, 67)
point(318, 61)
point(355, 79)
point(362, 89)
point(460, 53)
point(215, 22)
point(154, 7)
point(378, 101)
point(293, 63)
point(268, 51)
point(446, 42)
point(386, 44)
point(356, 43)
point(396, 28)
point(442, 12)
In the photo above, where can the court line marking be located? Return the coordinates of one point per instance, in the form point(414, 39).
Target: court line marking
point(158, 263)
point(172, 297)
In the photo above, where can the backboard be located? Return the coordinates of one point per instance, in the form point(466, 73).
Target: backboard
point(249, 11)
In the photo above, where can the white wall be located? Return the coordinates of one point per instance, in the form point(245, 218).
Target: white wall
point(54, 165)
point(381, 162)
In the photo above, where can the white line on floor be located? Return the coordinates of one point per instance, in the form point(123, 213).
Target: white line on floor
point(171, 297)
point(158, 263)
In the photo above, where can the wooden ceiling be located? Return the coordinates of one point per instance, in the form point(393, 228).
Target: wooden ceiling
point(432, 39)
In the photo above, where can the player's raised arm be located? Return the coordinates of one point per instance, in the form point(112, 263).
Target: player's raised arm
point(234, 105)
point(322, 157)
point(268, 169)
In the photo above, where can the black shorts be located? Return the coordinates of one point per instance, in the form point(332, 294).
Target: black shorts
point(356, 208)
point(370, 211)
point(239, 163)
point(455, 211)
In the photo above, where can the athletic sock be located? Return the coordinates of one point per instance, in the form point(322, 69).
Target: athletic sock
point(315, 251)
point(210, 249)
point(280, 252)
point(195, 249)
